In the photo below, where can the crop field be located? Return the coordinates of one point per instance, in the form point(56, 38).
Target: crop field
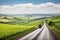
point(55, 28)
point(17, 26)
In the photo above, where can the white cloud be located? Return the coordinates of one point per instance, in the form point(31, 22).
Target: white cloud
point(30, 8)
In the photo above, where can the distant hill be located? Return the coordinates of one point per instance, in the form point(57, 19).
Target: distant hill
point(30, 15)
point(2, 15)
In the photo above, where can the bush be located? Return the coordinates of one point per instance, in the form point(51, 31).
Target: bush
point(51, 23)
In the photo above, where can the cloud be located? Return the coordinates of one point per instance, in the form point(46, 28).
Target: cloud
point(30, 8)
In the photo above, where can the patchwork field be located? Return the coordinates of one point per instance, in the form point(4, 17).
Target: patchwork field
point(8, 29)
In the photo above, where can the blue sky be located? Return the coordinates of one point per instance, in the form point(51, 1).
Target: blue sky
point(11, 2)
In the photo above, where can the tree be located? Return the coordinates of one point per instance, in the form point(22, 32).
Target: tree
point(51, 23)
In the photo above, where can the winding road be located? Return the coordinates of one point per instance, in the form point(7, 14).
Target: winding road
point(39, 34)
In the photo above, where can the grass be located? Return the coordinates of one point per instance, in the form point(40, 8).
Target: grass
point(21, 34)
point(7, 30)
point(56, 32)
point(56, 28)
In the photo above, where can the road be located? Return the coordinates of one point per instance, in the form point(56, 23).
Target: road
point(39, 34)
point(46, 34)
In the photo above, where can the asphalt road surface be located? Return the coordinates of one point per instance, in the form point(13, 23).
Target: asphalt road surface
point(45, 34)
point(39, 34)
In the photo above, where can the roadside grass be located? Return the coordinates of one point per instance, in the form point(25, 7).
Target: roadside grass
point(21, 34)
point(12, 31)
point(56, 28)
point(56, 32)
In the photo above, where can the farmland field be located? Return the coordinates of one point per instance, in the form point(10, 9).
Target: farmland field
point(55, 28)
point(17, 25)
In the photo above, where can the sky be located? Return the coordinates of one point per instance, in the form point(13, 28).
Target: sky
point(29, 6)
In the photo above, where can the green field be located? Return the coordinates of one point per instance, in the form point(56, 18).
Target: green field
point(55, 28)
point(8, 29)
